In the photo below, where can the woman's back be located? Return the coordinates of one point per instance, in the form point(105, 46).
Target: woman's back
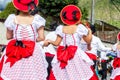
point(72, 34)
point(24, 19)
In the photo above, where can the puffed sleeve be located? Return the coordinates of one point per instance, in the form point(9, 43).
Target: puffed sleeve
point(39, 21)
point(9, 22)
point(59, 30)
point(82, 30)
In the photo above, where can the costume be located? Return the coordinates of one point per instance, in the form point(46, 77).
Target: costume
point(50, 51)
point(78, 68)
point(50, 48)
point(96, 45)
point(116, 64)
point(32, 66)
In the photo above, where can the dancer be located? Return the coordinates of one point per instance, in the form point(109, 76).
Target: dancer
point(72, 63)
point(24, 58)
point(96, 45)
point(116, 62)
point(50, 50)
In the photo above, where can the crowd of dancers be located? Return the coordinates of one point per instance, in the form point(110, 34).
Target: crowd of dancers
point(70, 52)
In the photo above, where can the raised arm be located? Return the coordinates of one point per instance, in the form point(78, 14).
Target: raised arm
point(88, 37)
point(57, 41)
point(41, 36)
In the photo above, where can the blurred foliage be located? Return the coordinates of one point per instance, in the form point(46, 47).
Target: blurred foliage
point(8, 10)
point(53, 7)
point(105, 10)
point(50, 9)
point(117, 2)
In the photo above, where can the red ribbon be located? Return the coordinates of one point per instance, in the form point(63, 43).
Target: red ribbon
point(65, 53)
point(91, 56)
point(1, 78)
point(1, 66)
point(15, 53)
point(116, 63)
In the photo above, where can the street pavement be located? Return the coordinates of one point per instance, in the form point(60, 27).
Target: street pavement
point(3, 39)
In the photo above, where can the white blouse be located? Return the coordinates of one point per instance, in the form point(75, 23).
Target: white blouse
point(81, 30)
point(24, 31)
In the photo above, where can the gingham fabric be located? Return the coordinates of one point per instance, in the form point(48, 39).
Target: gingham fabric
point(78, 68)
point(33, 67)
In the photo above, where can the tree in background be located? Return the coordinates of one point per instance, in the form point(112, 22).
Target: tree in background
point(8, 10)
point(50, 9)
point(53, 7)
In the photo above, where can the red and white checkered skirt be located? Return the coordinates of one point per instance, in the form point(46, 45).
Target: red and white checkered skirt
point(116, 69)
point(76, 69)
point(31, 68)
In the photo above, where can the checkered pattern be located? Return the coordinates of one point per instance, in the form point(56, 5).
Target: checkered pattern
point(77, 68)
point(32, 68)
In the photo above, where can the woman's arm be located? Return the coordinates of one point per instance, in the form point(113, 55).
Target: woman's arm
point(41, 36)
point(88, 37)
point(56, 42)
point(9, 34)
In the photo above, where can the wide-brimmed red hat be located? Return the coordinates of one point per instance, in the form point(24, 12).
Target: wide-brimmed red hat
point(118, 36)
point(70, 14)
point(22, 5)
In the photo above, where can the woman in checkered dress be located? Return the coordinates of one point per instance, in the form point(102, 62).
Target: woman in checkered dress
point(116, 62)
point(24, 58)
point(73, 63)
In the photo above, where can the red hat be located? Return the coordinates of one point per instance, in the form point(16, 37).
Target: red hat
point(70, 14)
point(22, 5)
point(118, 36)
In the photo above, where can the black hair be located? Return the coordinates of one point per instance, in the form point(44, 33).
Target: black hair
point(74, 14)
point(17, 12)
point(54, 25)
point(64, 15)
point(32, 12)
point(92, 27)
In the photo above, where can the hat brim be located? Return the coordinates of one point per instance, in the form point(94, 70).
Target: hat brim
point(22, 7)
point(70, 22)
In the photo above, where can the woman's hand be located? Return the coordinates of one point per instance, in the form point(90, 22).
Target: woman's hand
point(89, 46)
point(46, 43)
